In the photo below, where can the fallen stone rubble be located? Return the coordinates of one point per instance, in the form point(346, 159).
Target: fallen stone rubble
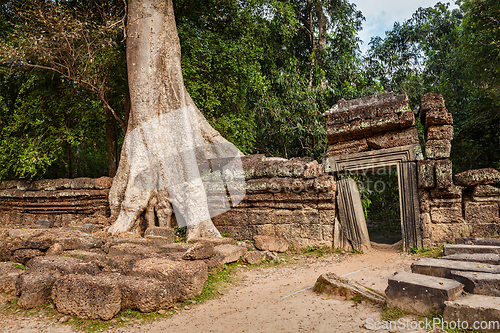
point(462, 285)
point(96, 275)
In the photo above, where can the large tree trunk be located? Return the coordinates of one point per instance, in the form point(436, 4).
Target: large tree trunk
point(167, 136)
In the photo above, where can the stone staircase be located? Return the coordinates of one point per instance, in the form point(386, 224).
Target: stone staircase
point(463, 285)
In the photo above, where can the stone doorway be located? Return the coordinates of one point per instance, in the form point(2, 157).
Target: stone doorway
point(380, 196)
point(404, 160)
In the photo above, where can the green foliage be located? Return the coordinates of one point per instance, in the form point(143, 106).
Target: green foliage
point(454, 53)
point(16, 265)
point(180, 234)
point(432, 252)
point(392, 314)
point(477, 121)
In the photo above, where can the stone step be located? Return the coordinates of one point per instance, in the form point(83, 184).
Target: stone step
point(230, 253)
point(421, 294)
point(472, 311)
point(478, 241)
point(449, 249)
point(478, 282)
point(443, 268)
point(485, 258)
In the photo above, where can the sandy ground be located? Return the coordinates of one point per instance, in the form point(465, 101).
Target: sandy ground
point(257, 302)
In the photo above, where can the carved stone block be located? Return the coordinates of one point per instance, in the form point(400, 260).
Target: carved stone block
point(407, 119)
point(450, 214)
point(438, 116)
point(347, 147)
point(426, 174)
point(440, 132)
point(477, 177)
point(430, 101)
point(476, 212)
point(437, 149)
point(444, 174)
point(389, 122)
point(398, 138)
point(338, 133)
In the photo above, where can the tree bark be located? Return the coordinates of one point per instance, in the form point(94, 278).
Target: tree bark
point(166, 133)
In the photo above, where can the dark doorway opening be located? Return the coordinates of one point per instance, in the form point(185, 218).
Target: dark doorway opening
point(383, 214)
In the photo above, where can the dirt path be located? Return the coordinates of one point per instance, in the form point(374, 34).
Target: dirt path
point(257, 304)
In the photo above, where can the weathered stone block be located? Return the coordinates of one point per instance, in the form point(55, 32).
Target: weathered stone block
point(188, 276)
point(168, 233)
point(449, 249)
point(63, 265)
point(450, 192)
point(431, 101)
point(385, 123)
point(478, 212)
point(424, 199)
point(337, 118)
point(447, 232)
point(146, 294)
point(230, 253)
point(100, 259)
point(442, 268)
point(444, 174)
point(440, 132)
point(347, 147)
point(362, 112)
point(35, 287)
point(480, 310)
point(248, 163)
point(156, 241)
point(438, 116)
point(9, 272)
point(22, 256)
point(425, 224)
point(174, 247)
point(426, 173)
point(397, 138)
point(213, 240)
point(477, 177)
point(131, 249)
point(451, 214)
point(360, 128)
point(331, 284)
point(215, 263)
point(485, 191)
point(421, 294)
point(253, 257)
point(437, 149)
point(407, 119)
point(198, 251)
point(338, 133)
point(87, 296)
point(485, 258)
point(478, 283)
point(478, 241)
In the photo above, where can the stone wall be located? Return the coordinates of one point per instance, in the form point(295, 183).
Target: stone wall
point(296, 199)
point(291, 199)
point(461, 207)
point(370, 123)
point(64, 202)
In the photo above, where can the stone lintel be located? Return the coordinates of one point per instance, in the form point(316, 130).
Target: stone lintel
point(373, 160)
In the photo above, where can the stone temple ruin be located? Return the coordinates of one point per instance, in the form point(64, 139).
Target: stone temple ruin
point(56, 228)
point(303, 201)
